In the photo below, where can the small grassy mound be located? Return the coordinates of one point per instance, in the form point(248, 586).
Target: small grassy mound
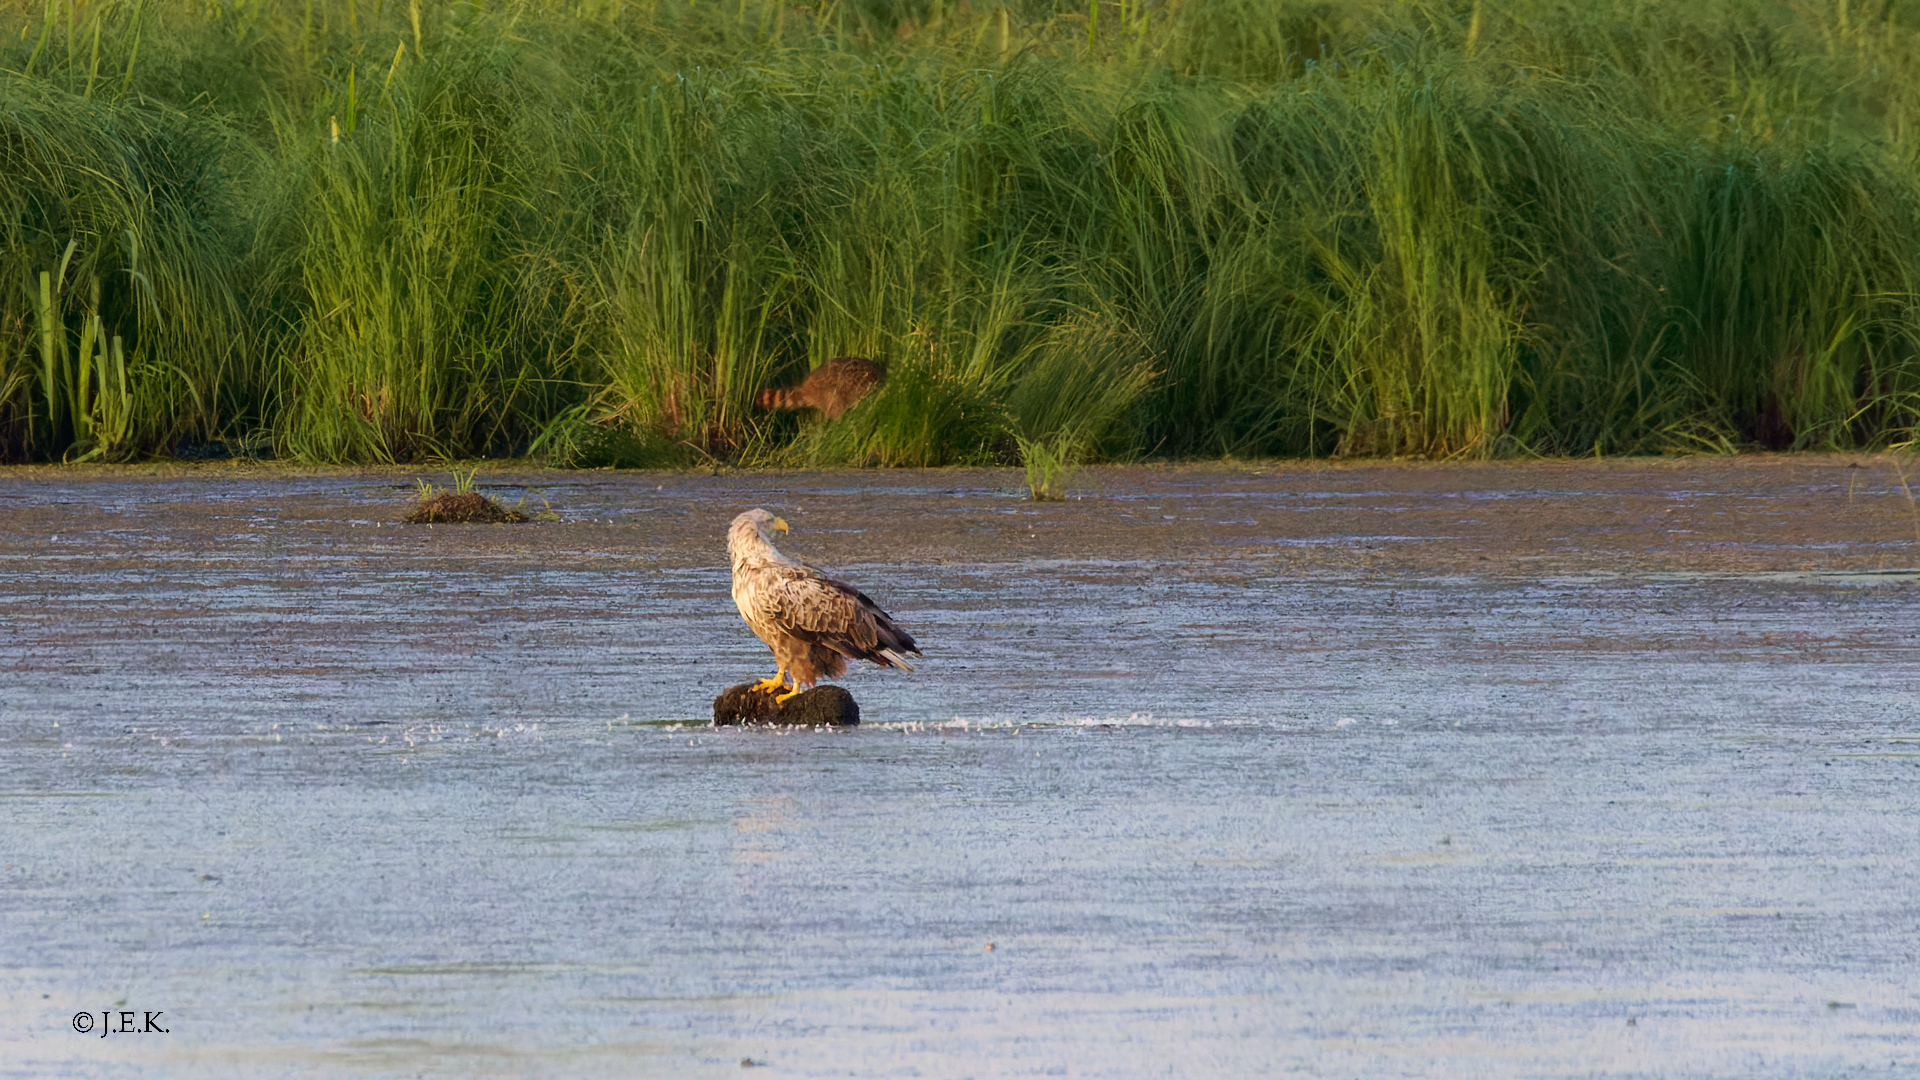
point(463, 504)
point(460, 507)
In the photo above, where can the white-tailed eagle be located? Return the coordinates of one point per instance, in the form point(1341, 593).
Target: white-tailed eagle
point(813, 623)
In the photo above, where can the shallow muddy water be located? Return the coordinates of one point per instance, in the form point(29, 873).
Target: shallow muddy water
point(1601, 769)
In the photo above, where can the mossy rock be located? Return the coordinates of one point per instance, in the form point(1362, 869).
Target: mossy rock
point(822, 706)
point(461, 507)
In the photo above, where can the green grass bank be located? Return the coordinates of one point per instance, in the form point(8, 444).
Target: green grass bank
point(389, 230)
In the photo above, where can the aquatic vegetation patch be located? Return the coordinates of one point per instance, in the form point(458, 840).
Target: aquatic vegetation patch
point(1050, 466)
point(462, 505)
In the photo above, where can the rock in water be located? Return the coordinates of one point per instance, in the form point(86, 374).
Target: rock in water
point(822, 706)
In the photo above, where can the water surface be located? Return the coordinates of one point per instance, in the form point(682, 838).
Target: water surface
point(1585, 770)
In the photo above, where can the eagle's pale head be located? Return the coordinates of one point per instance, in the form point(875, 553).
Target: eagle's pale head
point(753, 531)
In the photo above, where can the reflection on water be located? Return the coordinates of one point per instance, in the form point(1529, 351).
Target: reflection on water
point(351, 800)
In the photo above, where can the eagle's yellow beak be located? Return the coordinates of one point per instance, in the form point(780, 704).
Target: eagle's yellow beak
point(779, 524)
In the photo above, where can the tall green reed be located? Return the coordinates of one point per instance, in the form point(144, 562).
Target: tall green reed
point(695, 273)
point(417, 268)
point(1441, 228)
point(111, 245)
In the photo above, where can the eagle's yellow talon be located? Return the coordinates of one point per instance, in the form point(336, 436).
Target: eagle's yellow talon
point(773, 683)
point(781, 699)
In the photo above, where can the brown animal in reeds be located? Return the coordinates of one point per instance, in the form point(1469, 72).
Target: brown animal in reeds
point(833, 388)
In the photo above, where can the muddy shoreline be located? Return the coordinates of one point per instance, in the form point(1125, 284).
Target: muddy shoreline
point(1824, 512)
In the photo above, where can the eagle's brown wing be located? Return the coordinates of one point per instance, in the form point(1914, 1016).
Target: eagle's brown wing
point(817, 609)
